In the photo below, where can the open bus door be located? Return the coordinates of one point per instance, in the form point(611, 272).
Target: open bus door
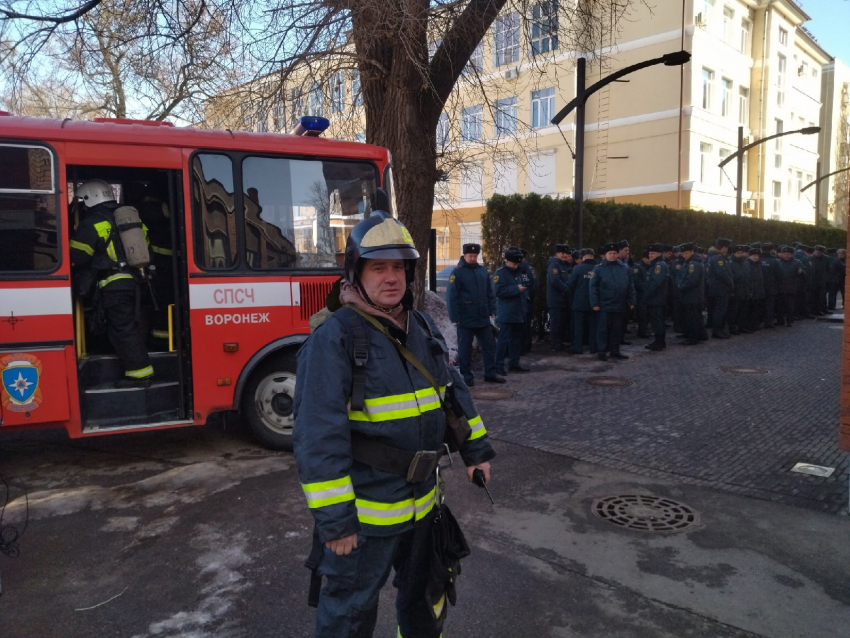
point(161, 311)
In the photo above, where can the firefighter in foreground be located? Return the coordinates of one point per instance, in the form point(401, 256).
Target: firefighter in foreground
point(369, 436)
point(111, 244)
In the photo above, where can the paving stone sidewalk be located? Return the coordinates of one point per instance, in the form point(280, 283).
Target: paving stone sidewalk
point(685, 417)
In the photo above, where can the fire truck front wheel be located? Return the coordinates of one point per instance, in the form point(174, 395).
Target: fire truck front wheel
point(268, 409)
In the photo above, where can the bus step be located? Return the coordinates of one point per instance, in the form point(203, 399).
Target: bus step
point(107, 406)
point(100, 369)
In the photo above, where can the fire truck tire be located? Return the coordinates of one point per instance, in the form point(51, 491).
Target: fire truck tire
point(267, 405)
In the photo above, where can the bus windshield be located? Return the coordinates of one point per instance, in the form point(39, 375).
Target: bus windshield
point(297, 213)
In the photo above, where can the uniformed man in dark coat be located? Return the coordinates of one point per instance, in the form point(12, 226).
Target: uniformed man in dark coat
point(690, 282)
point(675, 270)
point(770, 270)
point(655, 296)
point(841, 269)
point(528, 276)
point(819, 273)
point(790, 275)
point(738, 304)
point(472, 305)
point(801, 254)
point(511, 308)
point(612, 295)
point(558, 296)
point(756, 305)
point(639, 272)
point(720, 287)
point(584, 319)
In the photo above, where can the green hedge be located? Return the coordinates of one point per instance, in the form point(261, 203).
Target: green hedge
point(536, 223)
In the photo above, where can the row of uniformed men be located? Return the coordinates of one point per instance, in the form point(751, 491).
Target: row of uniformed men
point(589, 298)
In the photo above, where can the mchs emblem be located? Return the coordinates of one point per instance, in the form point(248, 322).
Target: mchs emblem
point(20, 374)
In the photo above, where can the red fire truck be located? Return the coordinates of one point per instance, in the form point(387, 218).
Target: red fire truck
point(250, 238)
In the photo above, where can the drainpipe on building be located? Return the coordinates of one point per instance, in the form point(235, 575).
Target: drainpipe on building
point(764, 34)
point(681, 113)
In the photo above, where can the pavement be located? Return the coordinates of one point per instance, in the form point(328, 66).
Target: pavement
point(200, 533)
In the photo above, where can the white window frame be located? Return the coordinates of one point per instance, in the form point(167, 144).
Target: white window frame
point(506, 120)
point(744, 105)
point(706, 151)
point(707, 88)
point(337, 92)
point(728, 24)
point(724, 153)
point(746, 35)
point(777, 197)
point(543, 34)
point(279, 113)
point(783, 37)
point(316, 100)
point(506, 39)
point(542, 107)
point(443, 130)
point(476, 61)
point(726, 102)
point(472, 123)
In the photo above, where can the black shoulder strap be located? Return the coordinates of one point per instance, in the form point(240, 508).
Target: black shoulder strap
point(356, 328)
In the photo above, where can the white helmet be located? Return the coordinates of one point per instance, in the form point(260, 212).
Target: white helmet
point(94, 192)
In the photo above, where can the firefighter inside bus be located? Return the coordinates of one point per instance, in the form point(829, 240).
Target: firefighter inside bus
point(151, 200)
point(110, 256)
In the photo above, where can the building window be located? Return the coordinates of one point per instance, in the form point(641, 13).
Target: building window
point(542, 107)
point(433, 46)
point(707, 81)
point(704, 162)
point(471, 123)
point(780, 79)
point(707, 10)
point(544, 27)
point(799, 185)
point(506, 116)
point(743, 106)
point(279, 113)
point(803, 71)
point(476, 61)
point(814, 73)
point(443, 129)
point(505, 175)
point(261, 117)
point(783, 37)
point(337, 92)
point(297, 107)
point(360, 137)
point(777, 197)
point(541, 173)
point(317, 100)
point(745, 39)
point(471, 182)
point(724, 153)
point(506, 40)
point(726, 104)
point(356, 95)
point(780, 127)
point(728, 25)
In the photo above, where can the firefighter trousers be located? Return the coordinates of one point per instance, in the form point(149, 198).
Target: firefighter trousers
point(348, 603)
point(128, 330)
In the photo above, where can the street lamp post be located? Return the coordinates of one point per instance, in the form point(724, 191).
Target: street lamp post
point(809, 130)
point(818, 179)
point(578, 103)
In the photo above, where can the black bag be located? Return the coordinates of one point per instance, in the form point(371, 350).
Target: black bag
point(85, 284)
point(449, 546)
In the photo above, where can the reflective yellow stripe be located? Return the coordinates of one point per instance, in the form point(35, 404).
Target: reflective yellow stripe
point(141, 373)
point(162, 251)
point(159, 334)
point(329, 492)
point(81, 246)
point(103, 229)
point(477, 429)
point(425, 504)
point(109, 280)
point(438, 608)
point(374, 513)
point(398, 406)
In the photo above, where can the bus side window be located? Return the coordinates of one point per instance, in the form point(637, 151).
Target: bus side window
point(214, 211)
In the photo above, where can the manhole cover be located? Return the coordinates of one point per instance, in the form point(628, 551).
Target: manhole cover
point(487, 394)
point(645, 513)
point(743, 370)
point(609, 382)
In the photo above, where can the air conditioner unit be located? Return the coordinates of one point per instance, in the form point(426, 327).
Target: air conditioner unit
point(699, 20)
point(511, 74)
point(750, 204)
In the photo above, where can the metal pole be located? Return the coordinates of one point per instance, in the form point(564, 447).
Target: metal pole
point(432, 260)
point(681, 113)
point(739, 195)
point(579, 163)
point(817, 196)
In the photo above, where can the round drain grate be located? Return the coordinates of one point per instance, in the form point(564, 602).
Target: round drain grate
point(609, 382)
point(646, 513)
point(488, 394)
point(744, 370)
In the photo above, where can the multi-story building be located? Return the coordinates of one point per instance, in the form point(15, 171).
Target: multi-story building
point(835, 143)
point(655, 138)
